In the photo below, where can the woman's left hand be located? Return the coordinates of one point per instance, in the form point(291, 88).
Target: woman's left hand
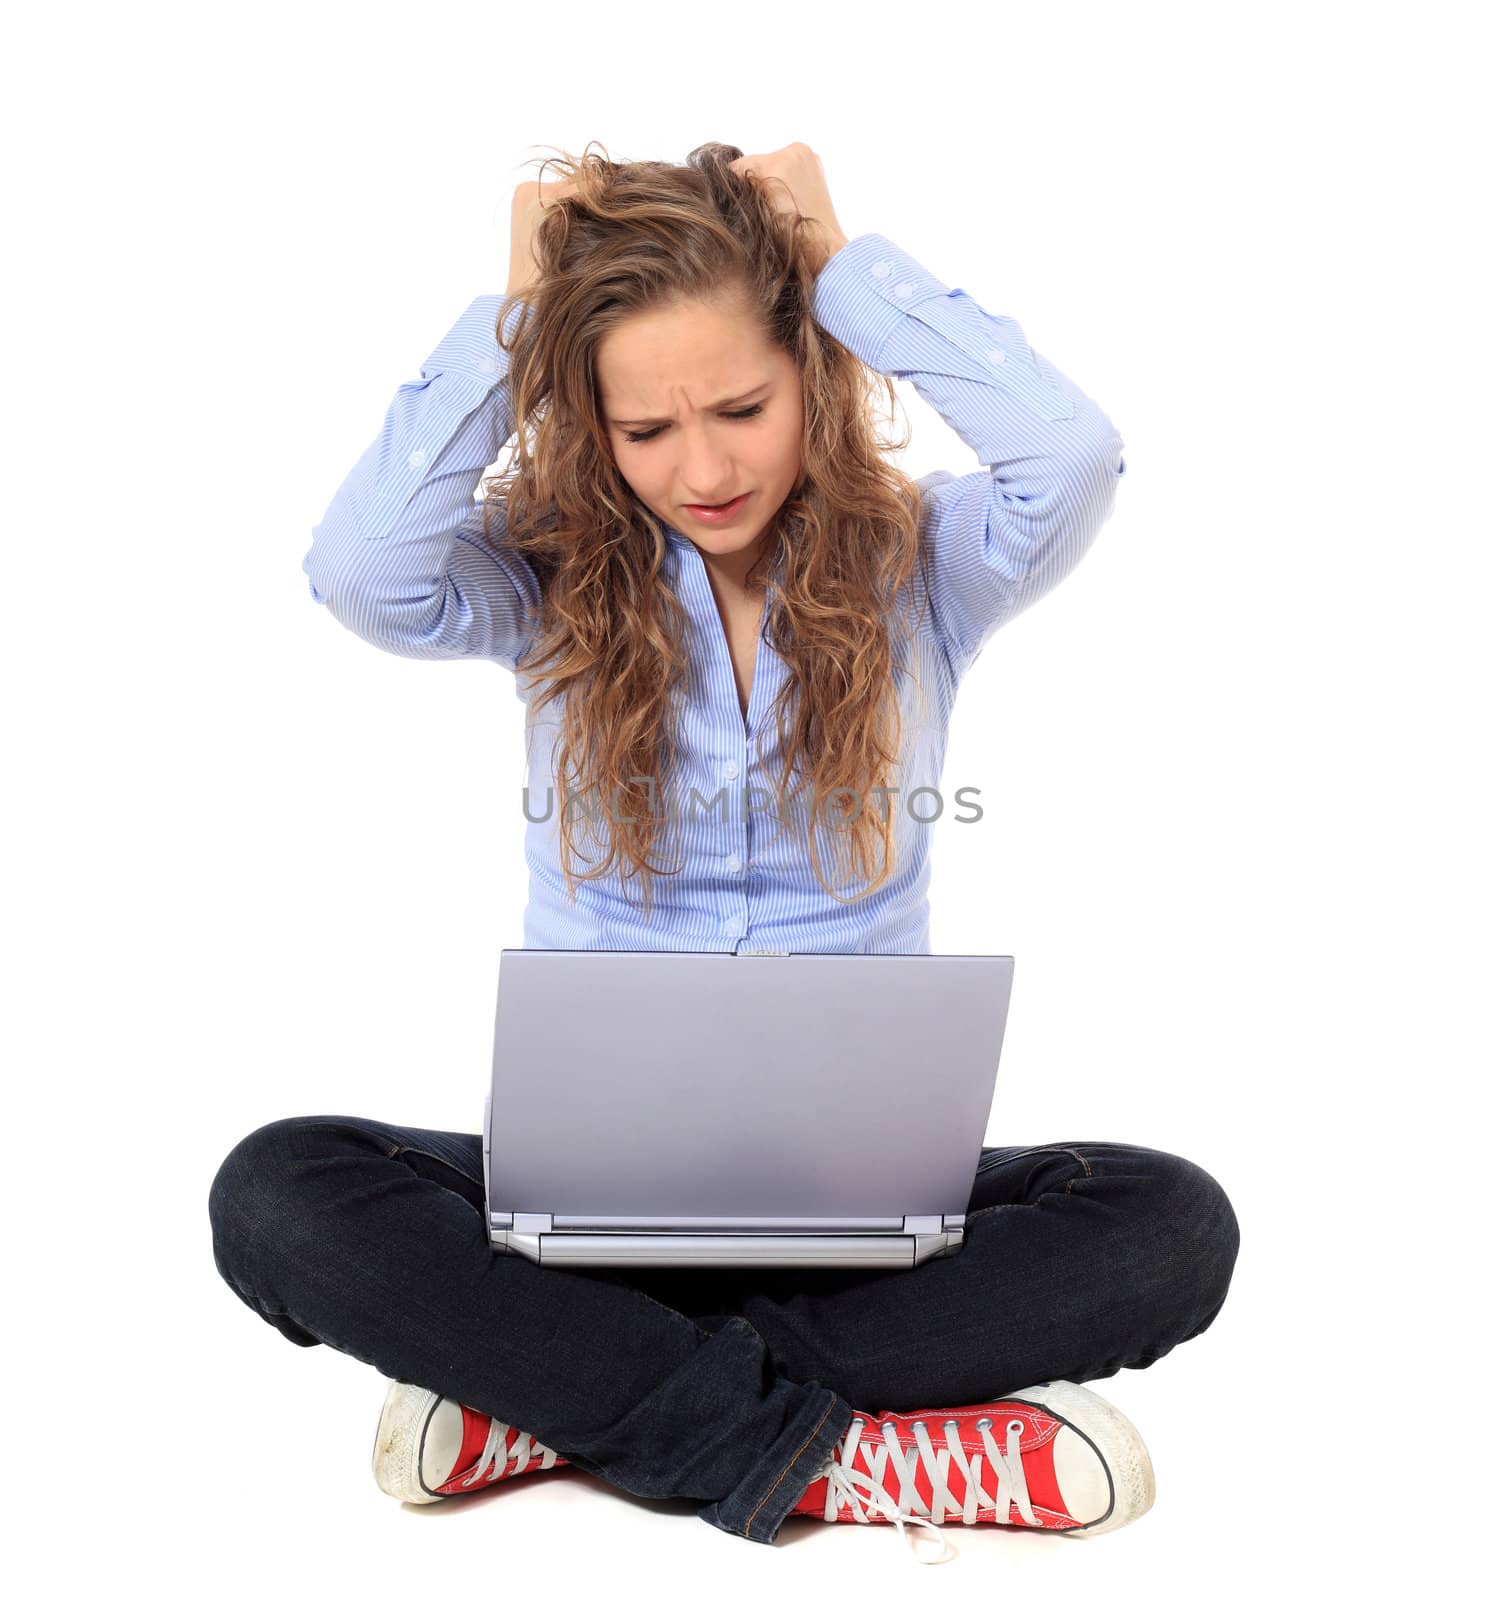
point(801, 187)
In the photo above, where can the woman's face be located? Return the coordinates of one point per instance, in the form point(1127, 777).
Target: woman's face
point(670, 382)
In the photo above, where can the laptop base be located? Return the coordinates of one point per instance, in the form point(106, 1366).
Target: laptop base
point(552, 1247)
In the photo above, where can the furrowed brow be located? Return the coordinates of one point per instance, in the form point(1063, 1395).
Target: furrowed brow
point(733, 400)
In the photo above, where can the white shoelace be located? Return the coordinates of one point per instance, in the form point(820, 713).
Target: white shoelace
point(512, 1460)
point(844, 1480)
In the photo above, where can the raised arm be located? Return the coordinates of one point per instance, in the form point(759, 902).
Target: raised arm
point(1001, 536)
point(400, 557)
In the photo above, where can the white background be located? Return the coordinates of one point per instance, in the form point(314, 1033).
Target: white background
point(1235, 766)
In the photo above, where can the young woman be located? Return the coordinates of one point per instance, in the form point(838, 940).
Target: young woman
point(675, 338)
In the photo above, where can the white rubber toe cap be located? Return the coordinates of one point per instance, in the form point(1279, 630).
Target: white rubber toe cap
point(1082, 1476)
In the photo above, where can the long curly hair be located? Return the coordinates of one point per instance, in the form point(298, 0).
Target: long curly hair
point(611, 639)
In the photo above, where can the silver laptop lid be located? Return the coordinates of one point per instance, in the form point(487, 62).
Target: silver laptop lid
point(669, 1088)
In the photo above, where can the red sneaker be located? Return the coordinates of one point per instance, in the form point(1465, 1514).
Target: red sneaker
point(427, 1448)
point(1054, 1457)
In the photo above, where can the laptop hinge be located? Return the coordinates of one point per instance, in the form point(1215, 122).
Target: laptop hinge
point(521, 1221)
point(544, 1222)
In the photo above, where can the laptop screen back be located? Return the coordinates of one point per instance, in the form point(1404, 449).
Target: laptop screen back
point(674, 1084)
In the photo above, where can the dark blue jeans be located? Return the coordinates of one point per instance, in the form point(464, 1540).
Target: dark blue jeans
point(727, 1386)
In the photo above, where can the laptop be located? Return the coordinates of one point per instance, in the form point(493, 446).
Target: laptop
point(718, 1109)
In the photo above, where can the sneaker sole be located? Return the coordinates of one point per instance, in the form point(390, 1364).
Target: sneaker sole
point(1109, 1431)
point(397, 1448)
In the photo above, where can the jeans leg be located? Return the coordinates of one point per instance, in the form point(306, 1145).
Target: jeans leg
point(1078, 1259)
point(370, 1238)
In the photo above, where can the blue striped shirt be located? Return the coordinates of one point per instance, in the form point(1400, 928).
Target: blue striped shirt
point(400, 559)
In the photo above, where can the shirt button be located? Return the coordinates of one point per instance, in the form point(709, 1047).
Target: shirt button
point(997, 357)
point(881, 269)
point(733, 863)
point(417, 458)
point(730, 770)
point(904, 290)
point(488, 365)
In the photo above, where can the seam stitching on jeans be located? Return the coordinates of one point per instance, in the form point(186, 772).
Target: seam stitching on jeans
point(791, 1463)
point(1077, 1154)
point(431, 1155)
point(984, 1165)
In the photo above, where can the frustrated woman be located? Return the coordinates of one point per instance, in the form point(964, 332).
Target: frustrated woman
point(738, 631)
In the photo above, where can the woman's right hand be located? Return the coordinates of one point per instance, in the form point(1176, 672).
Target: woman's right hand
point(526, 210)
